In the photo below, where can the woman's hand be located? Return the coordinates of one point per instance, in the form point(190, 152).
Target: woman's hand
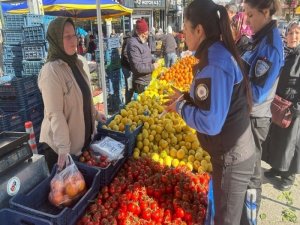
point(170, 105)
point(101, 117)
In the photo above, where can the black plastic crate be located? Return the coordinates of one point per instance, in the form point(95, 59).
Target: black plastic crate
point(12, 52)
point(12, 121)
point(35, 34)
point(12, 37)
point(34, 51)
point(35, 114)
point(20, 102)
point(18, 86)
point(13, 217)
point(32, 68)
point(36, 201)
point(131, 135)
point(108, 174)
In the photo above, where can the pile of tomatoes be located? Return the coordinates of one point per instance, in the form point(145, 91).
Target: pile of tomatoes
point(147, 193)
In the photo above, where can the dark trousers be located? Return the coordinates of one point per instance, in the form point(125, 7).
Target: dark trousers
point(230, 184)
point(260, 128)
point(50, 156)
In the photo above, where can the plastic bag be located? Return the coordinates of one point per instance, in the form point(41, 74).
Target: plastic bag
point(67, 185)
point(108, 147)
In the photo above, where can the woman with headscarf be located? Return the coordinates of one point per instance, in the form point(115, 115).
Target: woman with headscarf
point(69, 114)
point(283, 151)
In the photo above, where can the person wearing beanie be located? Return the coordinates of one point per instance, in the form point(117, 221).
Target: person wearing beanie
point(169, 47)
point(140, 58)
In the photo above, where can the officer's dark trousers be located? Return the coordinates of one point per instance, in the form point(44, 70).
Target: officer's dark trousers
point(260, 128)
point(230, 182)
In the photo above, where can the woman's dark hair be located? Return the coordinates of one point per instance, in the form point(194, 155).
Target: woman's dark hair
point(215, 22)
point(260, 5)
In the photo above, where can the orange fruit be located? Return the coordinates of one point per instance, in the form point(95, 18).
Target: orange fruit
point(71, 189)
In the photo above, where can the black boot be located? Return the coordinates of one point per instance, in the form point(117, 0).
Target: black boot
point(271, 173)
point(286, 183)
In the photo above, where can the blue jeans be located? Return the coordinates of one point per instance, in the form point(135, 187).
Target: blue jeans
point(170, 59)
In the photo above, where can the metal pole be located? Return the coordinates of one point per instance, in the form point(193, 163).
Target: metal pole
point(166, 16)
point(124, 25)
point(101, 49)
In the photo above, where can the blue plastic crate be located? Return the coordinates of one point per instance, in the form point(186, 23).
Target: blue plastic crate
point(12, 37)
point(5, 79)
point(111, 55)
point(14, 21)
point(12, 52)
point(34, 51)
point(131, 135)
point(12, 68)
point(33, 35)
point(32, 67)
point(13, 217)
point(12, 121)
point(110, 43)
point(36, 201)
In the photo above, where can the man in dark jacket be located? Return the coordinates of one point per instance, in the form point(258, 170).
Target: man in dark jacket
point(140, 58)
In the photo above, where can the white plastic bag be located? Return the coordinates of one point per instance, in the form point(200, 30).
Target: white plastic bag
point(108, 147)
point(67, 185)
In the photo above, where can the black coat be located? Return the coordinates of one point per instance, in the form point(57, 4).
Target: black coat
point(283, 146)
point(140, 60)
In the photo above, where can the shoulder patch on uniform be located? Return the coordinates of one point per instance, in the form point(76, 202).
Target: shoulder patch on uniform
point(202, 93)
point(262, 66)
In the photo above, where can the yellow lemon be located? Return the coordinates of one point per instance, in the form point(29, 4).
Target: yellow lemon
point(191, 158)
point(136, 155)
point(175, 163)
point(180, 154)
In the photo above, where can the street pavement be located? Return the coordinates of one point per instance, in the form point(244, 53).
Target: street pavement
point(275, 203)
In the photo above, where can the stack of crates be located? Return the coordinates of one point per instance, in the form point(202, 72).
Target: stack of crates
point(34, 45)
point(24, 40)
point(25, 50)
point(20, 101)
point(12, 50)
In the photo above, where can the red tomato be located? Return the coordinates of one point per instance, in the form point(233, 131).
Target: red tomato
point(179, 212)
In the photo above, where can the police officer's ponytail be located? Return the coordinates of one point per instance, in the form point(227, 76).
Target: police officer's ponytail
point(227, 38)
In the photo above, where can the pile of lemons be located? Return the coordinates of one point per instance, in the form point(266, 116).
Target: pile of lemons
point(166, 139)
point(169, 141)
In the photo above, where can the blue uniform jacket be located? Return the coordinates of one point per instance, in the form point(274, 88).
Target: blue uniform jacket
point(265, 62)
point(214, 86)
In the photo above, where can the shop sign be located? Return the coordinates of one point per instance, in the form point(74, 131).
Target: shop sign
point(148, 3)
point(142, 12)
point(13, 186)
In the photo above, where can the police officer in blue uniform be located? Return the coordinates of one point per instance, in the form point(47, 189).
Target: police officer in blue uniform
point(218, 106)
point(263, 59)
